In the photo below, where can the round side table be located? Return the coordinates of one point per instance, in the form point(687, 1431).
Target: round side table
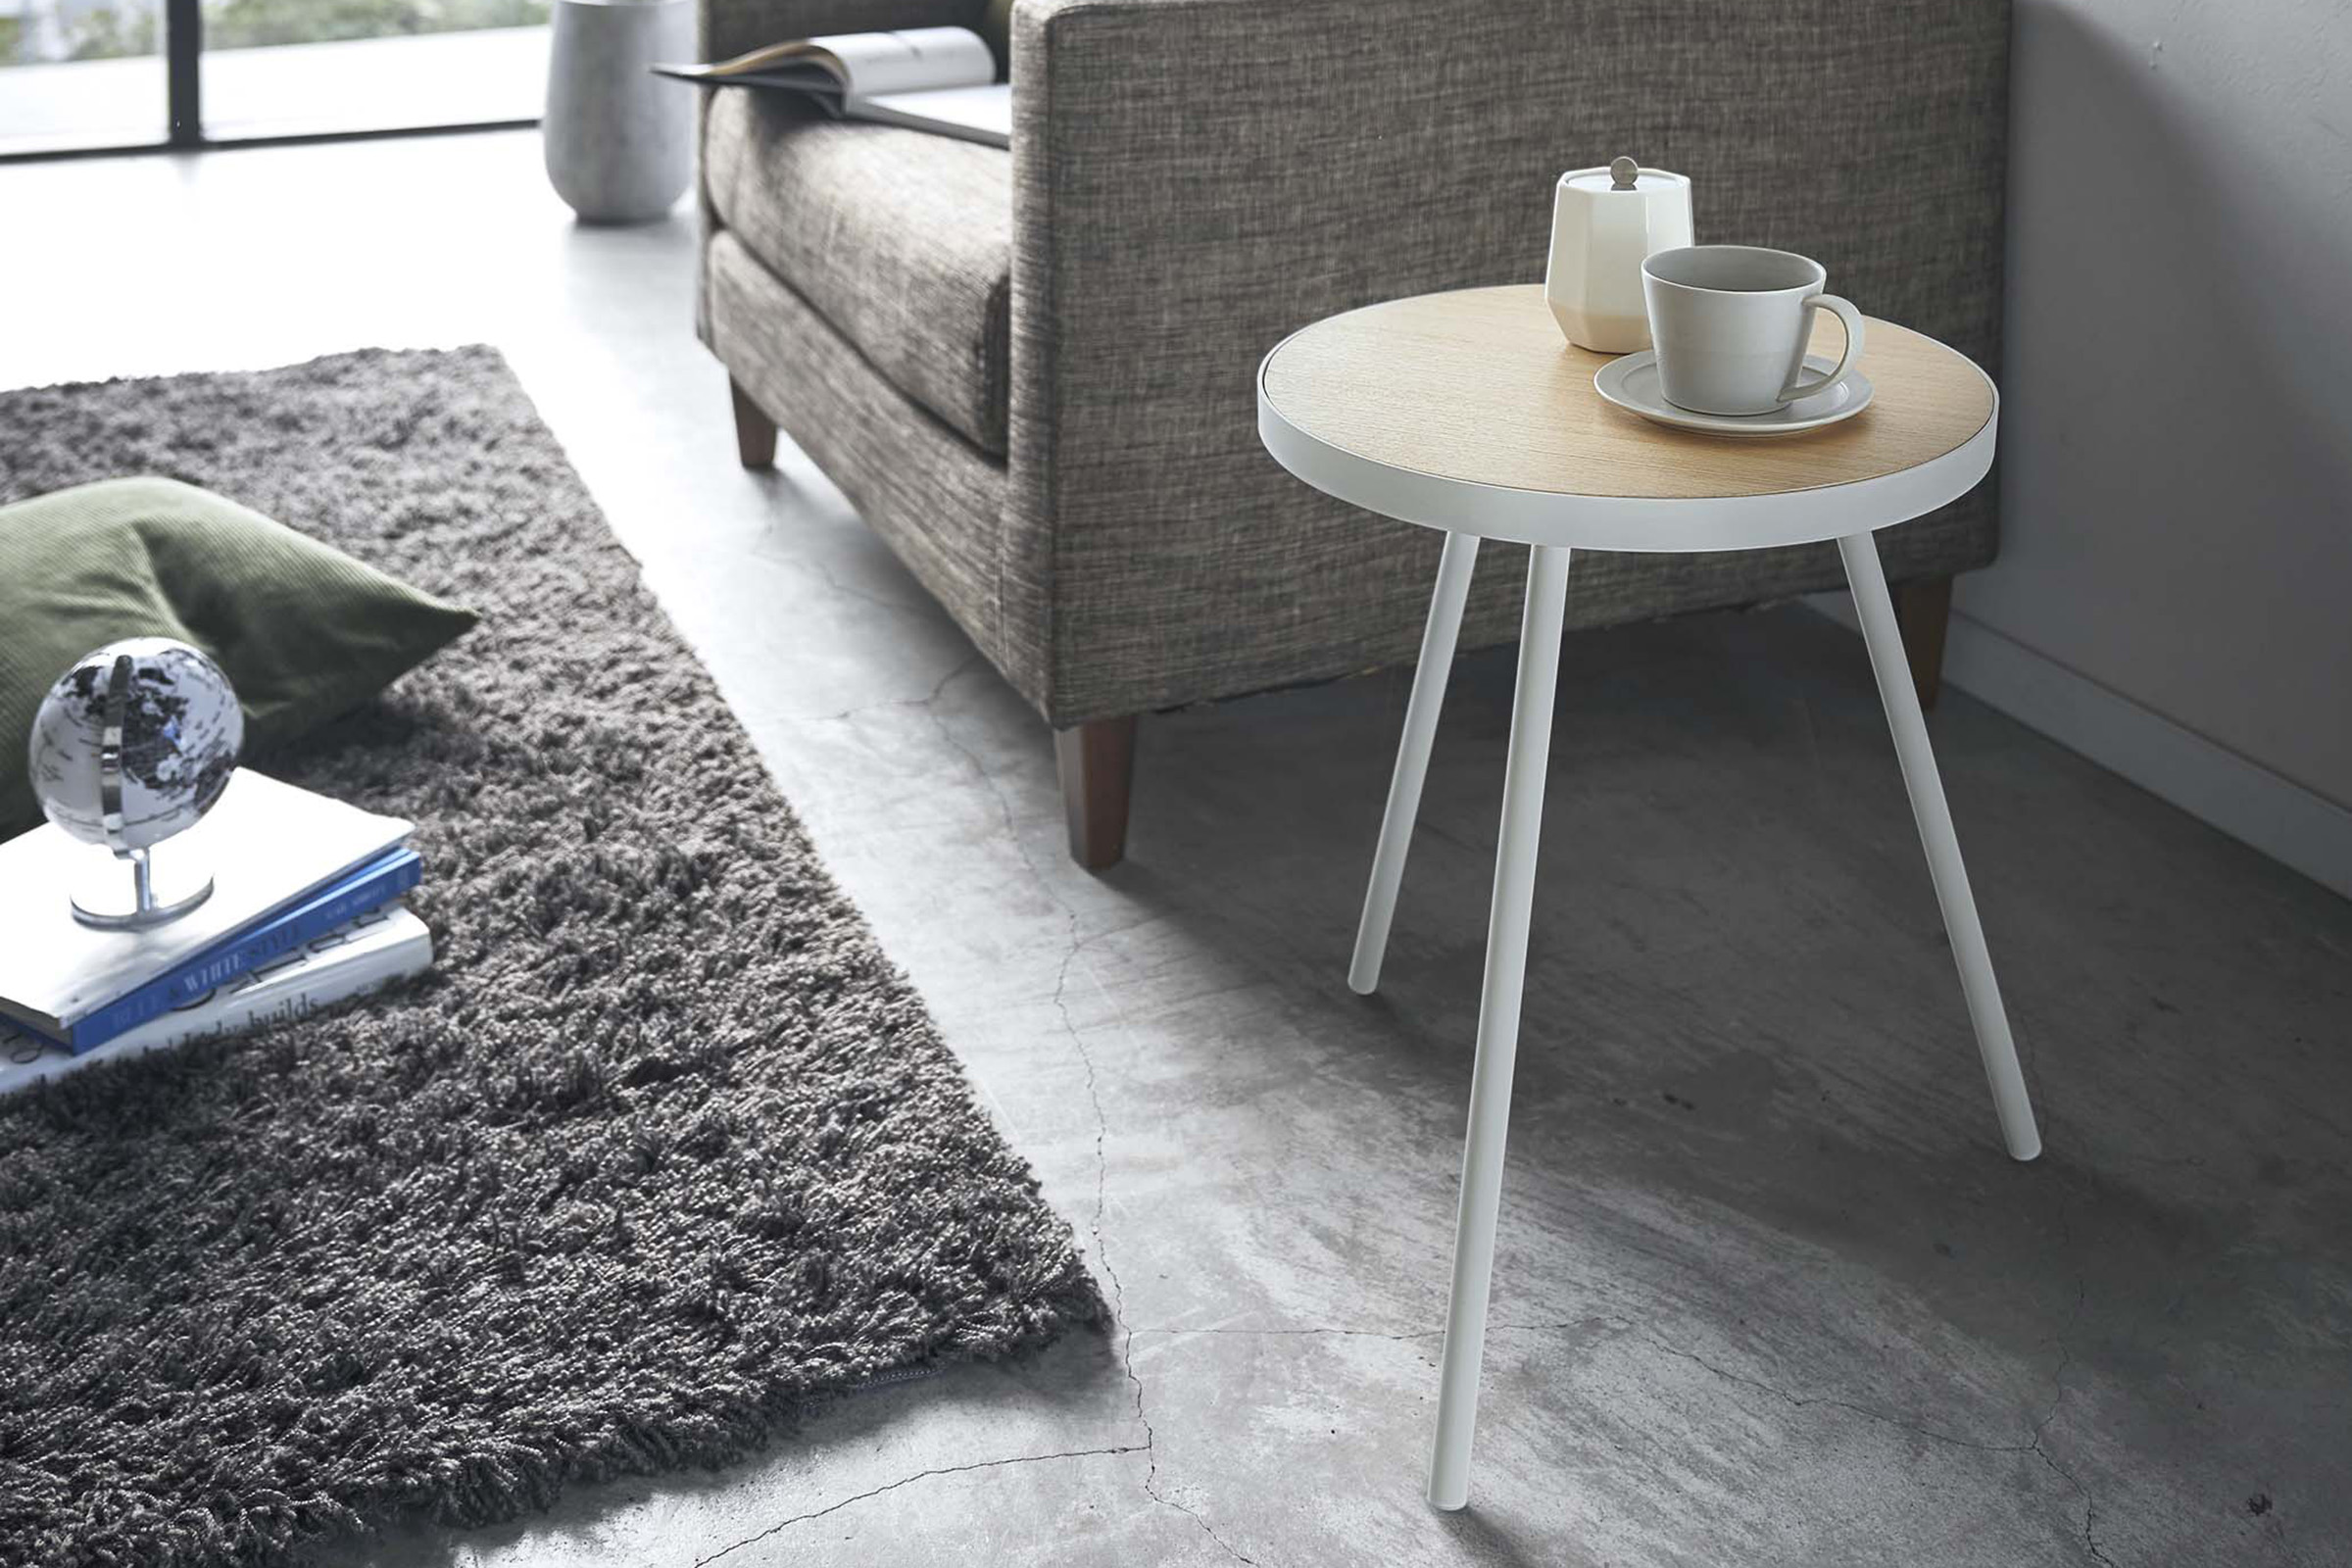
point(1466, 413)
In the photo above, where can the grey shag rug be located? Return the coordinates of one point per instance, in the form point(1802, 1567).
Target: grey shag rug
point(662, 1150)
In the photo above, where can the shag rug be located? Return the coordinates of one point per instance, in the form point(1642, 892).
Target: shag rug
point(664, 1150)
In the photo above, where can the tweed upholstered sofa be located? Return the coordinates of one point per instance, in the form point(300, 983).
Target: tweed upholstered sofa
point(1032, 370)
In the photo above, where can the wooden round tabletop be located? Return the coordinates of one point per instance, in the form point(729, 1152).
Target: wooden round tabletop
point(1469, 412)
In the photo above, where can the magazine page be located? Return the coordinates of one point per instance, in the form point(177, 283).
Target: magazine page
point(916, 59)
point(981, 114)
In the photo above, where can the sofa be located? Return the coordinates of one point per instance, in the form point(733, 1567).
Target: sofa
point(1031, 371)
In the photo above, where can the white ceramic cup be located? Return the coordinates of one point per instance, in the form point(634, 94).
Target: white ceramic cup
point(1731, 324)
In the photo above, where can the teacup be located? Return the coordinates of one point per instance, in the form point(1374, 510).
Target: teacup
point(1731, 324)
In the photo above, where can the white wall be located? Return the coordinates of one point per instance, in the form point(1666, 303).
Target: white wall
point(2175, 590)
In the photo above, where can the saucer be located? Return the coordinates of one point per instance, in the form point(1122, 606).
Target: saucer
point(1631, 381)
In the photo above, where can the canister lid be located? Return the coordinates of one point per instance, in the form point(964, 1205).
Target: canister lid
point(1604, 180)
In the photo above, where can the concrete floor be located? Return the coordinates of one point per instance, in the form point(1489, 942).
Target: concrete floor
point(1768, 1292)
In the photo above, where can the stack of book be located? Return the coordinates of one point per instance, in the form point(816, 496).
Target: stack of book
point(304, 913)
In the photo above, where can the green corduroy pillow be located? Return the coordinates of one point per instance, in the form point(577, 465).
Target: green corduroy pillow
point(304, 632)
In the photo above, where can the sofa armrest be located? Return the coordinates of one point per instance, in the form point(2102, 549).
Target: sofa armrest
point(724, 28)
point(1196, 178)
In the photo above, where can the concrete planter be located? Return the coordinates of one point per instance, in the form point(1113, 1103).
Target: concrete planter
point(619, 140)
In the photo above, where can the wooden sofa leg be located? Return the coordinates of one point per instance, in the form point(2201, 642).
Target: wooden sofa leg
point(755, 431)
point(1096, 763)
point(1922, 611)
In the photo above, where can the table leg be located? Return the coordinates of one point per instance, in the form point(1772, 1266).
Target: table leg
point(1498, 1024)
point(1935, 818)
point(1412, 759)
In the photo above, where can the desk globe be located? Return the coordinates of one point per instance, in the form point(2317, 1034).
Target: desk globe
point(130, 747)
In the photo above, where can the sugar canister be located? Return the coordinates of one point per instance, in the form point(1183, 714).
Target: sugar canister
point(1605, 222)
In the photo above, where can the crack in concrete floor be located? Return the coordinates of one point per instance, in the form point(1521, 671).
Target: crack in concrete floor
point(2033, 1443)
point(1077, 946)
point(1118, 1290)
point(836, 1506)
point(924, 702)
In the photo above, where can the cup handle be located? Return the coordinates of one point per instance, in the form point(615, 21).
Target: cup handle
point(1845, 312)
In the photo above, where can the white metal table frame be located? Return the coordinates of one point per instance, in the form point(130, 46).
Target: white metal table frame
point(1554, 523)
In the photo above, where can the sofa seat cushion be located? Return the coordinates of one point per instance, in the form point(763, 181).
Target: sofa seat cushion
point(901, 240)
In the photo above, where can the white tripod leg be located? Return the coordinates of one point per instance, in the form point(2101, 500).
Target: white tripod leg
point(1437, 637)
point(1498, 1024)
point(1935, 820)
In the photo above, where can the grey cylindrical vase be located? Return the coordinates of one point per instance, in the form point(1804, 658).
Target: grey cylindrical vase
point(619, 139)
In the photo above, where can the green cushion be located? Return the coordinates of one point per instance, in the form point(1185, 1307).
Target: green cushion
point(304, 632)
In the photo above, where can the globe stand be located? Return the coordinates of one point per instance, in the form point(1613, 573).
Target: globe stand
point(150, 899)
point(151, 896)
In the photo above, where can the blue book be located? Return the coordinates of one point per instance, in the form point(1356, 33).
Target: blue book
point(378, 882)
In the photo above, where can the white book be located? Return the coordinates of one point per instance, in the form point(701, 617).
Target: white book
point(266, 845)
point(941, 79)
point(371, 952)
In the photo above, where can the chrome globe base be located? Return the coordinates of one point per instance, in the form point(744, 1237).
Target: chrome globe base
point(150, 895)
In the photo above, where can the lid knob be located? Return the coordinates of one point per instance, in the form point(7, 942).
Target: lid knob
point(1621, 173)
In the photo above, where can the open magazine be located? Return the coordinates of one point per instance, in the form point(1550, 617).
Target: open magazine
point(941, 79)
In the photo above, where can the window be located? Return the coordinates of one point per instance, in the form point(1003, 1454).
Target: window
point(94, 74)
point(76, 73)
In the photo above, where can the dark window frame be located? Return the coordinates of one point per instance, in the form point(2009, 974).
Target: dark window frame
point(183, 79)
